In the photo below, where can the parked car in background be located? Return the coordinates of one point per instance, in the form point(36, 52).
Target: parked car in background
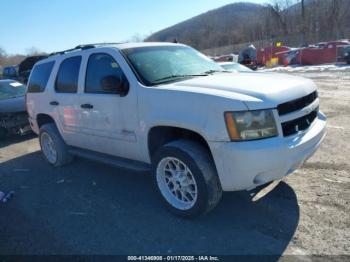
point(345, 54)
point(266, 54)
point(13, 115)
point(248, 57)
point(25, 67)
point(234, 67)
point(226, 58)
point(169, 109)
point(10, 72)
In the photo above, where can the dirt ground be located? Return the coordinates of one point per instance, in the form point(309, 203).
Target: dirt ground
point(90, 208)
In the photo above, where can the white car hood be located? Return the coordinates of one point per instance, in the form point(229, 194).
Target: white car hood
point(256, 90)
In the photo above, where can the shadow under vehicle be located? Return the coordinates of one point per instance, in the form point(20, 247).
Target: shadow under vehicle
point(90, 209)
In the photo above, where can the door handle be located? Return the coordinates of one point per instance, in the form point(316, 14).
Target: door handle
point(87, 106)
point(54, 103)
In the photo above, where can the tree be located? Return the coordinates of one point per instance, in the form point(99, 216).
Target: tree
point(8, 60)
point(2, 56)
point(137, 38)
point(32, 51)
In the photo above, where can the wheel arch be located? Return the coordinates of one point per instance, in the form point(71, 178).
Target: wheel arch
point(162, 134)
point(42, 119)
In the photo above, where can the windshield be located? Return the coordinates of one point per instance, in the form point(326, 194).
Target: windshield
point(160, 64)
point(11, 89)
point(236, 67)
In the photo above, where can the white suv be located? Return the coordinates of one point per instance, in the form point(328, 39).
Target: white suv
point(166, 107)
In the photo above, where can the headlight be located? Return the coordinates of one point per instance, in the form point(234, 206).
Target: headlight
point(250, 125)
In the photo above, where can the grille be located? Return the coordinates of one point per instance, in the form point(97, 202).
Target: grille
point(294, 126)
point(296, 104)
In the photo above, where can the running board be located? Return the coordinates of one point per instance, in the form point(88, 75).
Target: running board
point(136, 166)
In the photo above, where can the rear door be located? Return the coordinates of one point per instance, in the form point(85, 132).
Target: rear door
point(65, 99)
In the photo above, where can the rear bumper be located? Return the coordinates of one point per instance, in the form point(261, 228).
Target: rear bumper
point(245, 165)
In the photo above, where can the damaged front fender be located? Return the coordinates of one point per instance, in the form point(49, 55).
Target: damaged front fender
point(14, 124)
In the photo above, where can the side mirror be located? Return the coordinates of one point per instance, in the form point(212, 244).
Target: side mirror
point(114, 84)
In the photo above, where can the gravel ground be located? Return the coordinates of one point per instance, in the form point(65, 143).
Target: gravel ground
point(322, 186)
point(90, 208)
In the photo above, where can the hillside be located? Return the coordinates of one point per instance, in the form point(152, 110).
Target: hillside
point(298, 22)
point(219, 27)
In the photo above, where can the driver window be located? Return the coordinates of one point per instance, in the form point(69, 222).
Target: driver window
point(104, 75)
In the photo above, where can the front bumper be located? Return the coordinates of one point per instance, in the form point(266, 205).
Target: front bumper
point(245, 165)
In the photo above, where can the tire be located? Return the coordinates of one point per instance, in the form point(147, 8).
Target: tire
point(202, 171)
point(62, 156)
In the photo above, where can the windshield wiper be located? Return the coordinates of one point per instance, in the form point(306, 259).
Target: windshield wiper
point(210, 72)
point(178, 76)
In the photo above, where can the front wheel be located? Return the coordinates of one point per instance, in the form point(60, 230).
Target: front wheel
point(186, 178)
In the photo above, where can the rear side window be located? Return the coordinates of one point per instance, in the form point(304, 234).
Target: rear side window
point(39, 77)
point(101, 68)
point(68, 75)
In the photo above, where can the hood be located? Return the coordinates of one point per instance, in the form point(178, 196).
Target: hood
point(256, 90)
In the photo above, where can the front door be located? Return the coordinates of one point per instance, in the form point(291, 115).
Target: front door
point(108, 117)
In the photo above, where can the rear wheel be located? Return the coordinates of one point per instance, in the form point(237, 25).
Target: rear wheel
point(53, 147)
point(186, 178)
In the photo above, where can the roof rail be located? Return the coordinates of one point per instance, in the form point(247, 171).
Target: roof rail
point(106, 43)
point(79, 47)
point(82, 47)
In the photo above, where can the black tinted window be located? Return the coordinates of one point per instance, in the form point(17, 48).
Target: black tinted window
point(103, 68)
point(39, 77)
point(68, 74)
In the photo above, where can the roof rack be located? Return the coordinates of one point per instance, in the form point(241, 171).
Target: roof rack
point(83, 47)
point(106, 43)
